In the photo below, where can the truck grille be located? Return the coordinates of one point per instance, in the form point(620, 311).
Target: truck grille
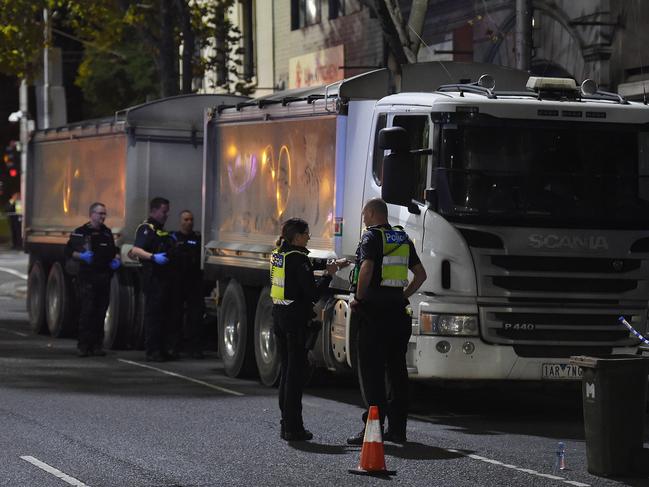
point(531, 296)
point(568, 327)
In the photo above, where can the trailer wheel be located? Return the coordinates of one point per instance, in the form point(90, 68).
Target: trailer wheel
point(59, 305)
point(266, 354)
point(236, 329)
point(36, 297)
point(120, 313)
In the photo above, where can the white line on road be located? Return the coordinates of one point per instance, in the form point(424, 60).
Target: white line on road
point(54, 471)
point(13, 272)
point(514, 467)
point(20, 334)
point(173, 374)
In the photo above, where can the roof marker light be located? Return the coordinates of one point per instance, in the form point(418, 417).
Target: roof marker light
point(538, 83)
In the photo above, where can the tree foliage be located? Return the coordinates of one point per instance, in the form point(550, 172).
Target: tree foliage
point(21, 35)
point(132, 49)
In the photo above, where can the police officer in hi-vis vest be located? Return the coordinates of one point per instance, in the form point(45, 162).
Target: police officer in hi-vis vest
point(294, 290)
point(152, 246)
point(380, 279)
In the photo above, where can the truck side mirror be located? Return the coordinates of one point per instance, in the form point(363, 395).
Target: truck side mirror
point(398, 166)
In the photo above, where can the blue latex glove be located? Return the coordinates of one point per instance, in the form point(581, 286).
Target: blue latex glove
point(160, 258)
point(87, 256)
point(115, 264)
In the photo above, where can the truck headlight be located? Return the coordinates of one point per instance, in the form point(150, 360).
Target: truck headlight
point(448, 325)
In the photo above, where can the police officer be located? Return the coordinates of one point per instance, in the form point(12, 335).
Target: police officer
point(383, 257)
point(93, 247)
point(293, 291)
point(187, 287)
point(152, 246)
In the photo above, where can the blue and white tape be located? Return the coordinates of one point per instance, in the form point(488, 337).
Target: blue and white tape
point(632, 330)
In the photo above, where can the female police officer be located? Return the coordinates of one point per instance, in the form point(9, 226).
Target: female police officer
point(294, 290)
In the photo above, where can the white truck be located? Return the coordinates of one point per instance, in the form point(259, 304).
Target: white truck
point(529, 209)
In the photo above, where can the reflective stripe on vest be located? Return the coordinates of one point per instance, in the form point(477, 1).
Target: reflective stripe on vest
point(278, 276)
point(396, 253)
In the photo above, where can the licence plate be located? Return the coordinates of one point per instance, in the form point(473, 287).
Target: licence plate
point(561, 371)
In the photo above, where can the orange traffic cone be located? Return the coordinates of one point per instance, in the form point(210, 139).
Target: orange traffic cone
point(372, 455)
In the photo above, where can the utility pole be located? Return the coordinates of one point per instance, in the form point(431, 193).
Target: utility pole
point(47, 41)
point(523, 34)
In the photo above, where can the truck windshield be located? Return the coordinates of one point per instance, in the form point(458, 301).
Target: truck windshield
point(578, 175)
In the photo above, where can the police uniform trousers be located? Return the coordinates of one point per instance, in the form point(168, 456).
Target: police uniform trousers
point(188, 304)
point(383, 334)
point(157, 310)
point(289, 327)
point(94, 296)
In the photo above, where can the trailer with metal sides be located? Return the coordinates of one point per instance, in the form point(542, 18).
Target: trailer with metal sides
point(154, 149)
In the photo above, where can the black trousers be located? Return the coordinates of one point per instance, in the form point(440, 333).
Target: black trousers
point(383, 334)
point(187, 310)
point(289, 327)
point(94, 296)
point(157, 312)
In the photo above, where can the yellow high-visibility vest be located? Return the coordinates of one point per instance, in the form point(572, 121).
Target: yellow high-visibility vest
point(278, 275)
point(396, 252)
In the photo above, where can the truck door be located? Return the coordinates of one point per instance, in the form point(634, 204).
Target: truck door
point(418, 126)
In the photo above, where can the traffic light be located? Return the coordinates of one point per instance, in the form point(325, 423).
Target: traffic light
point(11, 159)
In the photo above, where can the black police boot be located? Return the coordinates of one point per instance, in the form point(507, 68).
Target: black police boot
point(304, 435)
point(357, 439)
point(99, 352)
point(395, 436)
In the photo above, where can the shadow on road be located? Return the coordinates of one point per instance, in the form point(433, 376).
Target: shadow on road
point(41, 363)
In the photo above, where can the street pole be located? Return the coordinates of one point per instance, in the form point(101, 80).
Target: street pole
point(47, 35)
point(523, 34)
point(24, 144)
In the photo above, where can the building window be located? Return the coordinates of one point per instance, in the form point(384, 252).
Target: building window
point(305, 13)
point(338, 8)
point(248, 41)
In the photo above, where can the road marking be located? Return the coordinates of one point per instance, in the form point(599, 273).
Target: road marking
point(519, 469)
point(173, 374)
point(14, 272)
point(54, 471)
point(20, 334)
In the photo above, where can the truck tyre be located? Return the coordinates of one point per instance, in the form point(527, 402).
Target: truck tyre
point(59, 303)
point(236, 330)
point(121, 310)
point(36, 298)
point(266, 354)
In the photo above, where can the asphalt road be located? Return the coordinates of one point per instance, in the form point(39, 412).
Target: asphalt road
point(117, 421)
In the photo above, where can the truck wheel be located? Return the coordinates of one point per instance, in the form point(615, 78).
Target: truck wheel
point(120, 313)
point(236, 328)
point(266, 354)
point(36, 298)
point(59, 305)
